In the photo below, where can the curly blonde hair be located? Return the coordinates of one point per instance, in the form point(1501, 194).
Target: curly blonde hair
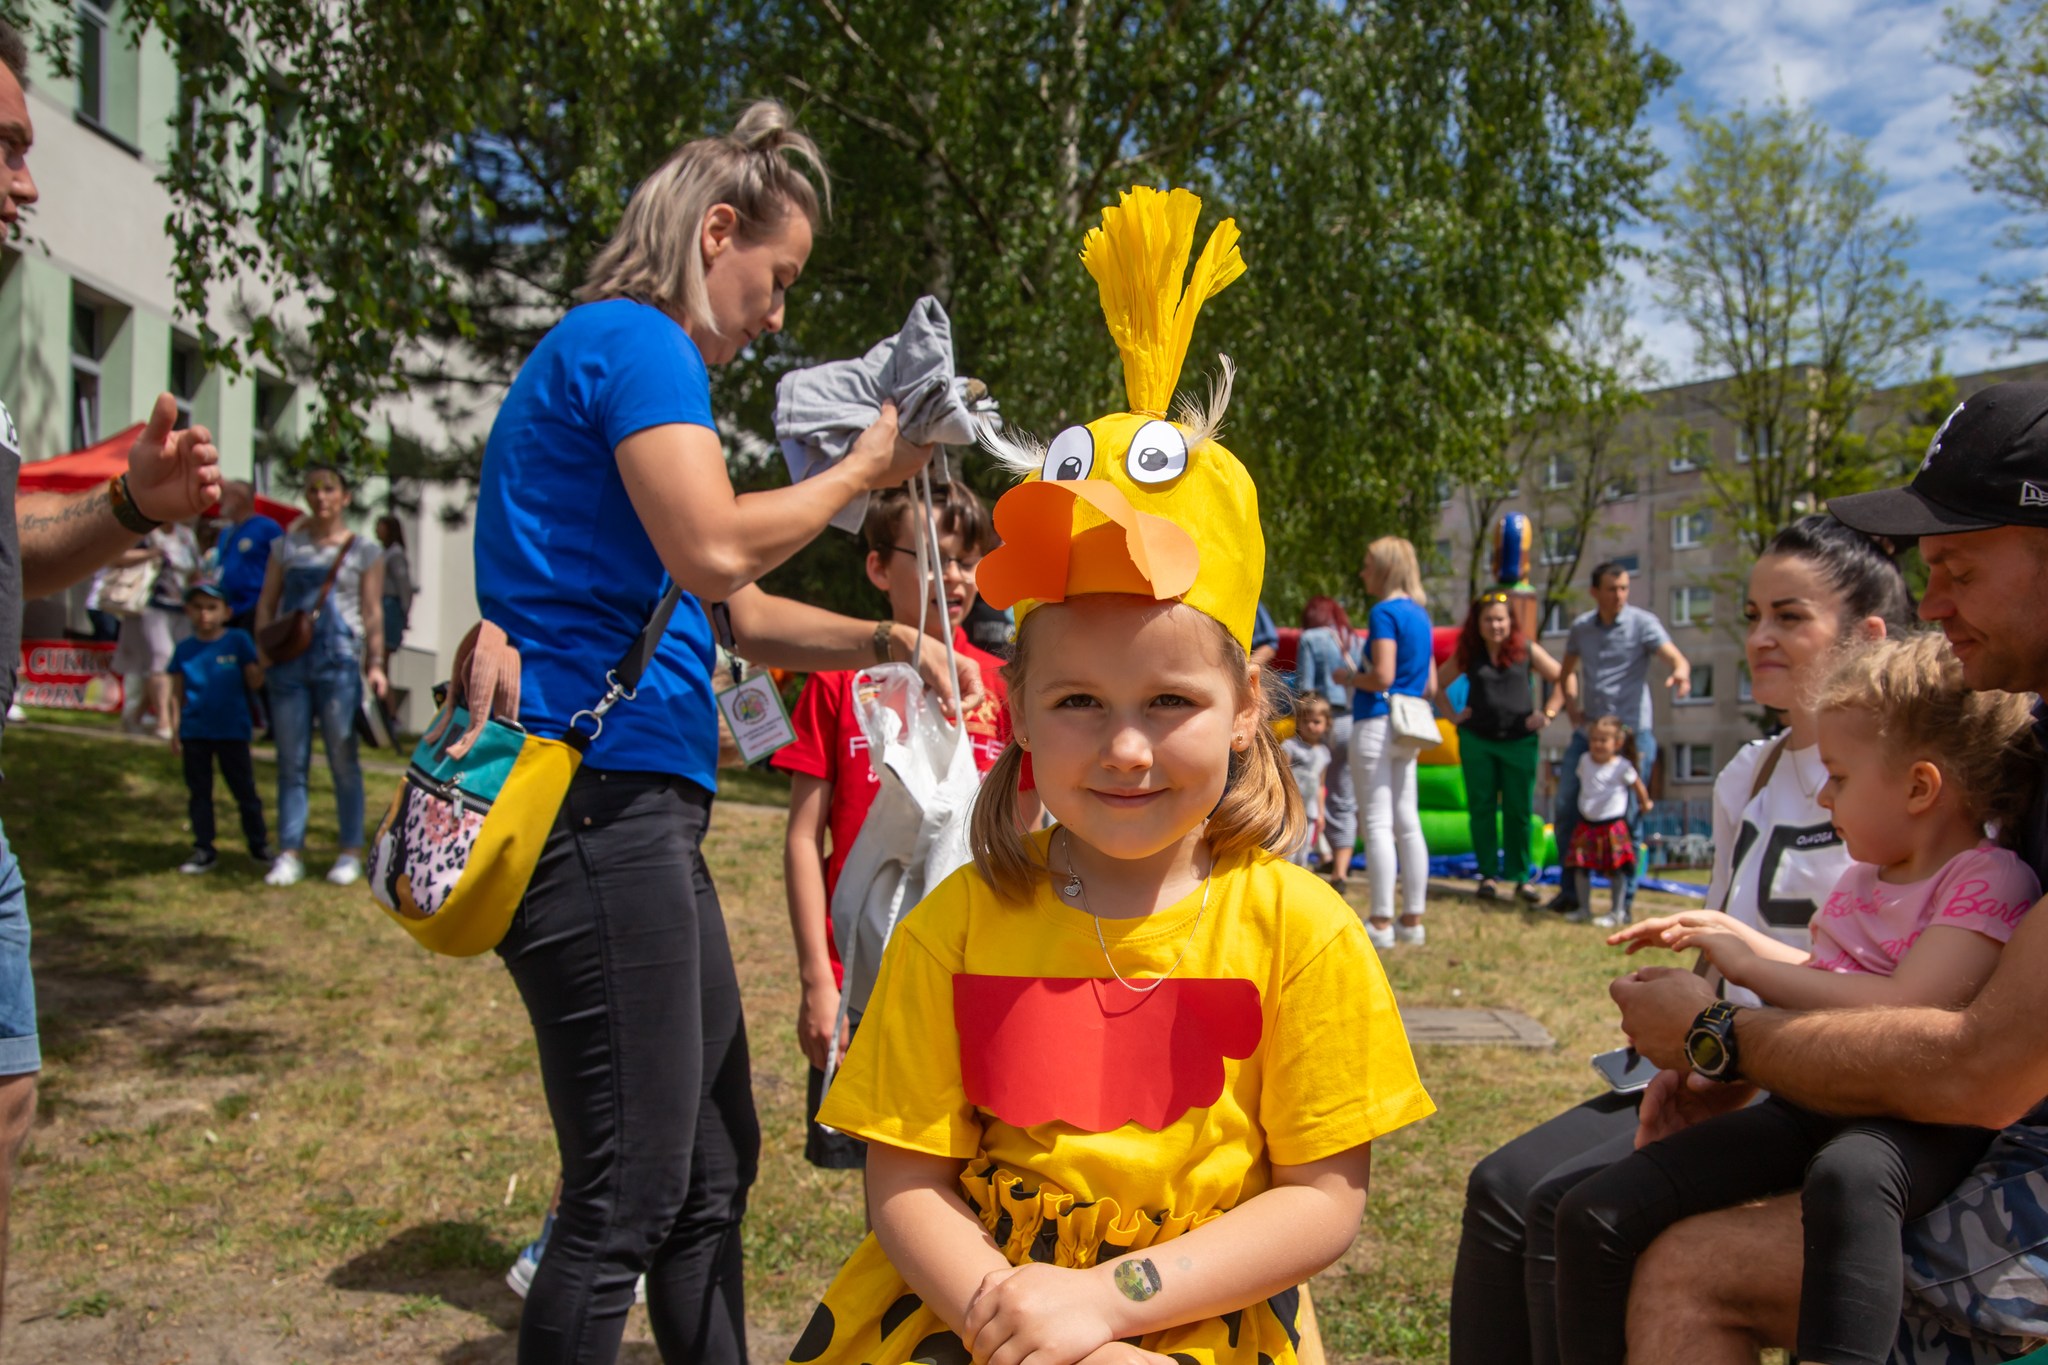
point(1261, 807)
point(1983, 742)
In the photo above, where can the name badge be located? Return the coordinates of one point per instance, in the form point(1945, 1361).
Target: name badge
point(755, 713)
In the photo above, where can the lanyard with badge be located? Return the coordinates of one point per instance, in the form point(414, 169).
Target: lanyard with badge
point(752, 708)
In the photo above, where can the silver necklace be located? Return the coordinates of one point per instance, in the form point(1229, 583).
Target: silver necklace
point(1074, 891)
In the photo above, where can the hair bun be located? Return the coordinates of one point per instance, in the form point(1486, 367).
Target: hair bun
point(765, 126)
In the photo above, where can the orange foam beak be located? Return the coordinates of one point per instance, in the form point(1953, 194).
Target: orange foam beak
point(1052, 549)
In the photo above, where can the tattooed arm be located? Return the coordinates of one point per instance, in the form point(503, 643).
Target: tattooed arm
point(66, 536)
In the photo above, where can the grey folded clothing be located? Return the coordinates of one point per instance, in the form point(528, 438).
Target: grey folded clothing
point(822, 410)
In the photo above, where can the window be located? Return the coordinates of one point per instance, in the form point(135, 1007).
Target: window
point(1560, 544)
point(89, 331)
point(1440, 557)
point(1744, 450)
point(1559, 471)
point(1443, 490)
point(1689, 530)
point(273, 407)
point(93, 27)
point(1631, 563)
point(187, 370)
point(1692, 606)
point(1702, 693)
point(1742, 690)
point(278, 161)
point(1554, 620)
point(1620, 488)
point(1692, 763)
point(1693, 449)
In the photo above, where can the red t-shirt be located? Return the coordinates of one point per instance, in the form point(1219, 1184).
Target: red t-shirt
point(829, 745)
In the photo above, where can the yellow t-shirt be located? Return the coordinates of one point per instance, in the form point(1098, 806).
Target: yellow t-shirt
point(1279, 985)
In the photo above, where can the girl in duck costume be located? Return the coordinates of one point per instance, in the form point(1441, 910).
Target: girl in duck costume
point(1120, 1079)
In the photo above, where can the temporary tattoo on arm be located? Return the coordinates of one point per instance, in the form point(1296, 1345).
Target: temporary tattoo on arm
point(1136, 1280)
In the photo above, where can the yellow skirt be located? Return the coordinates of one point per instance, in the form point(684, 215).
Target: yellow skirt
point(869, 1316)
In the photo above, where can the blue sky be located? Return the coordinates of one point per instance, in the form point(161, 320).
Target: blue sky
point(1866, 68)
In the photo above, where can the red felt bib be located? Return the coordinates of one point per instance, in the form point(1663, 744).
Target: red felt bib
point(1096, 1054)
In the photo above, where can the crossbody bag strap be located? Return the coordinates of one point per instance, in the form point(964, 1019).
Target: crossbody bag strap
point(624, 678)
point(333, 572)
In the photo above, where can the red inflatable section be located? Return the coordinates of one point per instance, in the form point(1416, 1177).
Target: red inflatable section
point(94, 465)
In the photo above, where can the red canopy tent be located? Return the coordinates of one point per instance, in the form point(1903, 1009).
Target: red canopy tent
point(96, 464)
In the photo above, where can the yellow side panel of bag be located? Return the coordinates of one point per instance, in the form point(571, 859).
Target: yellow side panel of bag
point(479, 911)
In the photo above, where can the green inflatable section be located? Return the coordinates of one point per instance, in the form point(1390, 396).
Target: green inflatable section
point(1446, 821)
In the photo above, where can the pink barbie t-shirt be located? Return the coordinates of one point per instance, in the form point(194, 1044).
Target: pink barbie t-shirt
point(1867, 925)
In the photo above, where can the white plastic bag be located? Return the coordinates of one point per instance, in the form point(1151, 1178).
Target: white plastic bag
point(915, 834)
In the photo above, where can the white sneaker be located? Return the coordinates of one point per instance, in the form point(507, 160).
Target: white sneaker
point(1613, 919)
point(347, 870)
point(1410, 934)
point(15, 713)
point(286, 871)
point(1381, 935)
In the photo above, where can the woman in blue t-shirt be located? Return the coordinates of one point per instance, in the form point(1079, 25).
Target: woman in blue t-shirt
point(1398, 659)
point(603, 474)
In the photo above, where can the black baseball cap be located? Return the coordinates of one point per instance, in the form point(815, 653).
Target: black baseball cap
point(1987, 466)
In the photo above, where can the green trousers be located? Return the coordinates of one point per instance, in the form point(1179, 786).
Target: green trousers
point(1500, 786)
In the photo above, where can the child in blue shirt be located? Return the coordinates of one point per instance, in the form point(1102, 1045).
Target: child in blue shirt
point(212, 673)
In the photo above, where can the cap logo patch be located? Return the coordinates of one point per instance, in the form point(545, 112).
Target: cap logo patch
point(2032, 494)
point(1934, 446)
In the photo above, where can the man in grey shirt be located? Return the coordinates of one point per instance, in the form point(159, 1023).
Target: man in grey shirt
point(48, 541)
point(1613, 645)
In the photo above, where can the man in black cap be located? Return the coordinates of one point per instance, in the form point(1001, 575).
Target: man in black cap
point(1717, 1287)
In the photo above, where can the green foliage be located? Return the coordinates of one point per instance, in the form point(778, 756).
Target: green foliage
point(1425, 193)
point(1794, 286)
point(2004, 113)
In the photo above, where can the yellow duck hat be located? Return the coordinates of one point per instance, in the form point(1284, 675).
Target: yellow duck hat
point(1134, 502)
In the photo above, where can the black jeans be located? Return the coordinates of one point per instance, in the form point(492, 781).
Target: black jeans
point(619, 951)
point(239, 772)
point(1503, 1295)
point(1859, 1180)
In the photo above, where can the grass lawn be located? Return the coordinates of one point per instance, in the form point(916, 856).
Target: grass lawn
point(274, 1130)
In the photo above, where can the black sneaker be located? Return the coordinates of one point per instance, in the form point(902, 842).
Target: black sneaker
point(202, 860)
point(264, 856)
point(1563, 903)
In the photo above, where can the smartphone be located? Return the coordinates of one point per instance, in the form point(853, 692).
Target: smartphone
point(1625, 1070)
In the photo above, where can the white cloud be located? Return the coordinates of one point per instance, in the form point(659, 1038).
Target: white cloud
point(1868, 69)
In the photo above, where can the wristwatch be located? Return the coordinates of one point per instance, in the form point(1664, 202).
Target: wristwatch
point(125, 511)
point(1710, 1042)
point(884, 636)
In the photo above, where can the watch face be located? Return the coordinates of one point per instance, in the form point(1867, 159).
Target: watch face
point(1706, 1053)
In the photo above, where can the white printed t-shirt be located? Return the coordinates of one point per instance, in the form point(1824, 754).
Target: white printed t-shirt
point(1604, 787)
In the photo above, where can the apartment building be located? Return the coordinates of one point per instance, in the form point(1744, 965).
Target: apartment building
point(1655, 521)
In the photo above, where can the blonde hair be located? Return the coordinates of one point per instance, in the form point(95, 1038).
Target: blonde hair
point(654, 257)
point(1311, 705)
point(1261, 808)
point(1399, 571)
point(1983, 742)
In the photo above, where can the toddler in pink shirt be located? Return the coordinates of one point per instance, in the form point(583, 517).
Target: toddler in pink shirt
point(1919, 768)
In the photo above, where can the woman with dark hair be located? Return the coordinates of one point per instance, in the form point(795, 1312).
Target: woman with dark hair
point(603, 478)
point(1818, 587)
point(1327, 644)
point(399, 589)
point(1497, 737)
point(322, 567)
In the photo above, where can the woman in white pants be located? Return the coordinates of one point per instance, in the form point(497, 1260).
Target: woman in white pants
point(1398, 659)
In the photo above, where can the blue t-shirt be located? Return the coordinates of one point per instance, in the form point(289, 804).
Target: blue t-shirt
point(1407, 625)
point(244, 557)
point(563, 564)
point(216, 699)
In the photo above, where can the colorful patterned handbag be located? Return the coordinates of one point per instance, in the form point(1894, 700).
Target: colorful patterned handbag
point(454, 854)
